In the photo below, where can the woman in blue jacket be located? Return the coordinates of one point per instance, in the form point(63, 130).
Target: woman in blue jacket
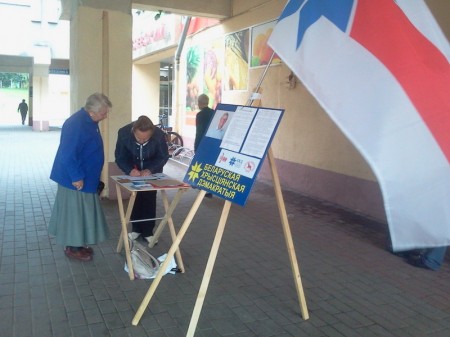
point(141, 150)
point(77, 218)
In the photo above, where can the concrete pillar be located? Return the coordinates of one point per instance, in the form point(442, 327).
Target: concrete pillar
point(101, 61)
point(41, 63)
point(40, 84)
point(146, 91)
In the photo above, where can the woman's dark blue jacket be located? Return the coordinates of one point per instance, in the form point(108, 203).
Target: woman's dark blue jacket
point(80, 153)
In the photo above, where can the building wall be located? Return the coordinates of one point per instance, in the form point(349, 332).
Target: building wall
point(441, 10)
point(146, 91)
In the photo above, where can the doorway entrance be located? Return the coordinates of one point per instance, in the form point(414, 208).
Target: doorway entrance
point(165, 93)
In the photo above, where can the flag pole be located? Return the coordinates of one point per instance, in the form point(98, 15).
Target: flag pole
point(261, 79)
point(282, 211)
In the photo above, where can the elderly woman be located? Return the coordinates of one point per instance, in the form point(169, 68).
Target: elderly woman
point(141, 150)
point(77, 218)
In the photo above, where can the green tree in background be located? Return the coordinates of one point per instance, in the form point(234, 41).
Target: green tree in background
point(14, 80)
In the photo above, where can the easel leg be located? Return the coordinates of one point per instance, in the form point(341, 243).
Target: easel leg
point(173, 234)
point(124, 219)
point(170, 253)
point(208, 270)
point(283, 214)
point(288, 236)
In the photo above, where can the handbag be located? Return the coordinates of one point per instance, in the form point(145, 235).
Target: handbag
point(100, 187)
point(145, 265)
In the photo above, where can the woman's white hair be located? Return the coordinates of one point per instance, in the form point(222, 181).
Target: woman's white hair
point(95, 102)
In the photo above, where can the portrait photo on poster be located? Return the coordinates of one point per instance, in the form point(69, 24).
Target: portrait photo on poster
point(219, 124)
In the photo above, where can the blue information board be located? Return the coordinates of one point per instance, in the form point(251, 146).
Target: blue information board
point(232, 151)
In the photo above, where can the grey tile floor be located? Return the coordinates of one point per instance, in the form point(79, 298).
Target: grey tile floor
point(353, 285)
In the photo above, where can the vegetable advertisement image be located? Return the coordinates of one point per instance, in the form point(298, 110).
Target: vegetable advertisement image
point(194, 60)
point(213, 70)
point(261, 51)
point(236, 60)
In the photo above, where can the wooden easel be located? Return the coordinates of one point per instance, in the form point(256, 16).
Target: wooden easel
point(216, 244)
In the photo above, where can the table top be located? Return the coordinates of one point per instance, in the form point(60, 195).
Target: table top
point(154, 182)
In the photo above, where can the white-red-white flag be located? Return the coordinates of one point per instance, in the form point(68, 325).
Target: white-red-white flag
point(381, 70)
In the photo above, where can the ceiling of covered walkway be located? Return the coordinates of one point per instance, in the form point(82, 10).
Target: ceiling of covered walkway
point(203, 8)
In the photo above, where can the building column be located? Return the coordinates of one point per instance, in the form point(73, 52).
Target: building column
point(101, 61)
point(38, 109)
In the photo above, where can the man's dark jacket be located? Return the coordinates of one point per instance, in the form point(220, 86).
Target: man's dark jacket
point(152, 155)
point(202, 121)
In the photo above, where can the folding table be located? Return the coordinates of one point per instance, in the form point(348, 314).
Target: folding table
point(134, 185)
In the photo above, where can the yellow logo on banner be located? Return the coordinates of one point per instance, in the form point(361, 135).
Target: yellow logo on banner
point(216, 179)
point(195, 170)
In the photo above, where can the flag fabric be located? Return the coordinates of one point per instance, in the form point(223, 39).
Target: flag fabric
point(380, 69)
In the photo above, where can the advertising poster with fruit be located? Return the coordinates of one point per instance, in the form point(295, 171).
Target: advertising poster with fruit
point(261, 51)
point(194, 77)
point(213, 71)
point(236, 60)
point(232, 151)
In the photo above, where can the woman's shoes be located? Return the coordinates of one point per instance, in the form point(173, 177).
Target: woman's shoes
point(79, 253)
point(88, 250)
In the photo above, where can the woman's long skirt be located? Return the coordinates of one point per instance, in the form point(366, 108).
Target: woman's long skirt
point(77, 218)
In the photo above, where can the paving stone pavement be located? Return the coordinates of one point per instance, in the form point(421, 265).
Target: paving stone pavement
point(353, 285)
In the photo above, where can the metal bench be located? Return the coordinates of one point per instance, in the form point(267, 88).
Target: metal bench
point(182, 155)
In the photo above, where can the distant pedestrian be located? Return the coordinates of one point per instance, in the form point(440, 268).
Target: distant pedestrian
point(23, 109)
point(202, 119)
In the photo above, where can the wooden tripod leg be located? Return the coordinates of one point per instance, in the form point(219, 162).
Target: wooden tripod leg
point(125, 218)
point(288, 236)
point(169, 211)
point(208, 270)
point(123, 238)
point(170, 253)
